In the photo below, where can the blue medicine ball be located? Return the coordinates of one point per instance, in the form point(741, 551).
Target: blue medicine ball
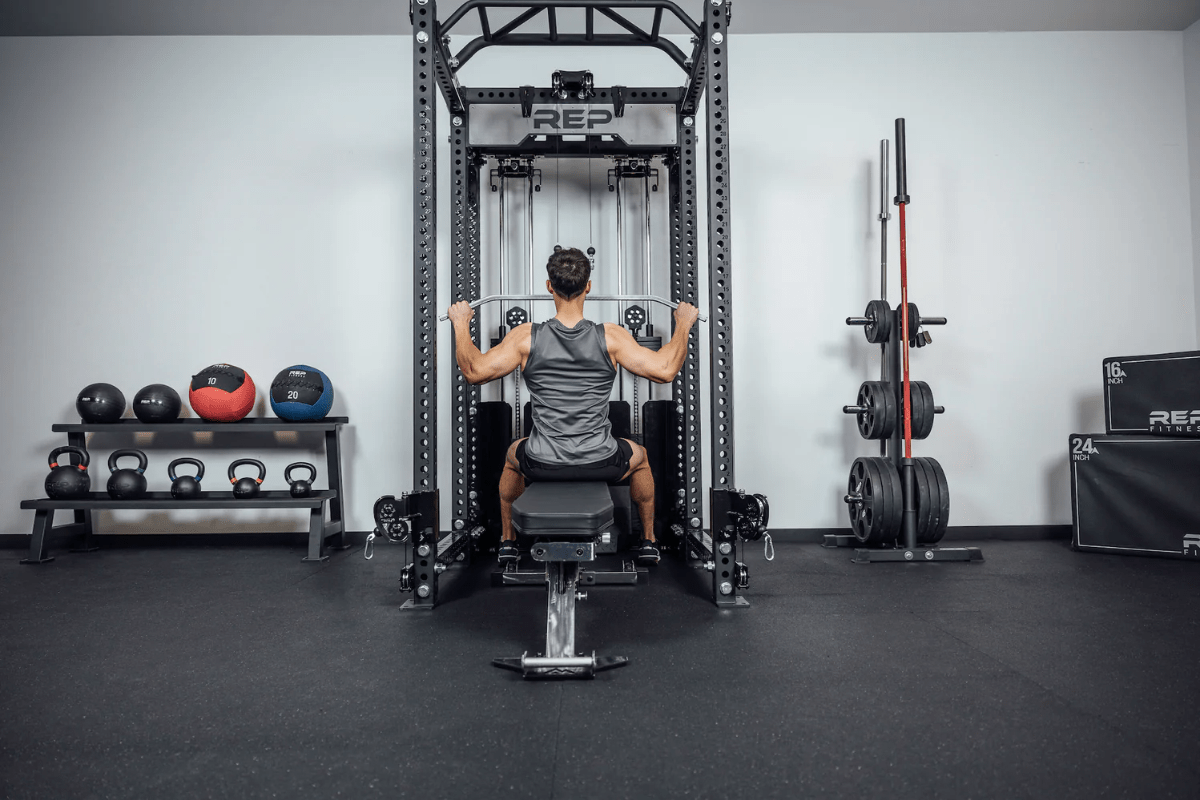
point(301, 393)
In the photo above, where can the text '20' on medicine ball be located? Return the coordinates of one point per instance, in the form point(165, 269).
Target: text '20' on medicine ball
point(222, 393)
point(157, 403)
point(301, 393)
point(100, 402)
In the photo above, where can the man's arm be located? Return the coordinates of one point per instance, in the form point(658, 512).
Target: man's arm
point(660, 366)
point(502, 359)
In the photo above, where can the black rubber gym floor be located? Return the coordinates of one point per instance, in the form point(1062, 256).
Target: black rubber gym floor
point(154, 670)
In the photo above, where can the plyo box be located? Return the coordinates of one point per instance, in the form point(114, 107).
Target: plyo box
point(1156, 394)
point(1135, 495)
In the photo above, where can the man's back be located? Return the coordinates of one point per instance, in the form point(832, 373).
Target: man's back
point(570, 376)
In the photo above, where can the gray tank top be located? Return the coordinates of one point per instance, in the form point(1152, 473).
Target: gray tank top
point(570, 379)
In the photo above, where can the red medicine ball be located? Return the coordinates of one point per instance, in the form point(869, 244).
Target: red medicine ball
point(222, 393)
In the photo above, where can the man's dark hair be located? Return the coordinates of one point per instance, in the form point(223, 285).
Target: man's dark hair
point(569, 270)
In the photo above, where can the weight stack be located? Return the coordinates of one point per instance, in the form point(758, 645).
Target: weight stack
point(1135, 495)
point(1156, 394)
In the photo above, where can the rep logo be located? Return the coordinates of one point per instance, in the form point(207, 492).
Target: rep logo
point(571, 119)
point(1191, 544)
point(1175, 421)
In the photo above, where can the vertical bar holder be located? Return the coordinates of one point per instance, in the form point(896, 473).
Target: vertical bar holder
point(720, 283)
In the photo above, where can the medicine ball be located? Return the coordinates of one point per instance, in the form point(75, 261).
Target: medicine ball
point(301, 393)
point(100, 402)
point(222, 393)
point(157, 403)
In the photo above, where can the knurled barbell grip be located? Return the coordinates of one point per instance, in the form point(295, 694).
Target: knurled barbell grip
point(857, 321)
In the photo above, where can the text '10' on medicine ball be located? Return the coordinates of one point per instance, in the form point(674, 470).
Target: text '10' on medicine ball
point(100, 402)
point(157, 403)
point(222, 393)
point(301, 393)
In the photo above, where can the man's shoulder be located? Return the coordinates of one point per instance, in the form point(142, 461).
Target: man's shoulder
point(612, 327)
point(521, 334)
point(615, 335)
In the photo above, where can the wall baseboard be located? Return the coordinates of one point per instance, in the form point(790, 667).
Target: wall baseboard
point(961, 533)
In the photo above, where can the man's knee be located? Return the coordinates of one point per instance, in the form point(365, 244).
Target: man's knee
point(639, 462)
point(510, 459)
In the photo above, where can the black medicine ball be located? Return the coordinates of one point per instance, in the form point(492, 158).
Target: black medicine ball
point(100, 402)
point(157, 403)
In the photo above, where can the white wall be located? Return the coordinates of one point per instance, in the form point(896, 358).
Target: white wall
point(1191, 63)
point(247, 200)
point(1049, 221)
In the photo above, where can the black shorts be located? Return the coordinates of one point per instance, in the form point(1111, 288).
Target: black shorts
point(610, 470)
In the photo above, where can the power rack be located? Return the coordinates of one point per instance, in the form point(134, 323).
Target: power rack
point(573, 118)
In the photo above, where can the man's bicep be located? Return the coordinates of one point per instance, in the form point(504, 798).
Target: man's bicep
point(501, 359)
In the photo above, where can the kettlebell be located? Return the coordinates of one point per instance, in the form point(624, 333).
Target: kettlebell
point(185, 487)
point(300, 488)
point(246, 488)
point(127, 484)
point(68, 481)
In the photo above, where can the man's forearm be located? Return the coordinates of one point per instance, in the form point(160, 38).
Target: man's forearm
point(677, 350)
point(465, 351)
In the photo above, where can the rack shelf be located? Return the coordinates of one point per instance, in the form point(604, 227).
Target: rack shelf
point(319, 531)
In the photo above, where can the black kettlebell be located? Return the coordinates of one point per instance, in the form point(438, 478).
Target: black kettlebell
point(185, 487)
point(127, 484)
point(246, 488)
point(300, 488)
point(68, 481)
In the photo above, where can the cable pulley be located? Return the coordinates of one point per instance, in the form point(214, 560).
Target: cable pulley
point(516, 316)
point(750, 515)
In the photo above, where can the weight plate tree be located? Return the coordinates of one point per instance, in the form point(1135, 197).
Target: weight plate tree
point(899, 506)
point(573, 118)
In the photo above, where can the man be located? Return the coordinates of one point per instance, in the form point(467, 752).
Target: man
point(569, 365)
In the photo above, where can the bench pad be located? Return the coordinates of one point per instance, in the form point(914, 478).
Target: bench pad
point(567, 509)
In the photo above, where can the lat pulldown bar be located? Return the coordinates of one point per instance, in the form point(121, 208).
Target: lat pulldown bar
point(624, 298)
